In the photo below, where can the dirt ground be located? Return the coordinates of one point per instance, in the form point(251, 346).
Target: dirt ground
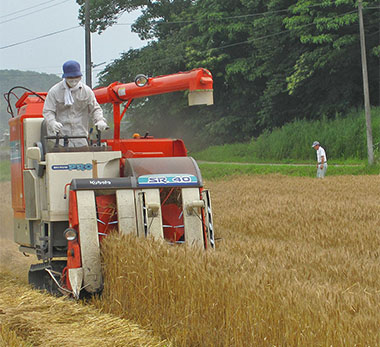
point(10, 258)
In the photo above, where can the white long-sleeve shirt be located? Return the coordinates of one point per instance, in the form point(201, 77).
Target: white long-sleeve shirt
point(74, 118)
point(321, 153)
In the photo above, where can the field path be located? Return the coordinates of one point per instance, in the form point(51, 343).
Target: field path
point(270, 164)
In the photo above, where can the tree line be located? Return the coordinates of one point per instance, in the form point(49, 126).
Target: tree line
point(272, 61)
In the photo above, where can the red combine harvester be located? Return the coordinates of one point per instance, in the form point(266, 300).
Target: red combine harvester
point(66, 200)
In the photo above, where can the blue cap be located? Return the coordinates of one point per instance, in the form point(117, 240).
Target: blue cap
point(71, 69)
point(315, 143)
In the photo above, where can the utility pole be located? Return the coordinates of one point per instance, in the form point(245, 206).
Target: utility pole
point(88, 43)
point(367, 105)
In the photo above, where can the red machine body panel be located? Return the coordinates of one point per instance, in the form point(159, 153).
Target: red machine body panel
point(28, 106)
point(149, 147)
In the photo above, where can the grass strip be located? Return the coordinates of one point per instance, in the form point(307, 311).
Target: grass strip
point(223, 170)
point(343, 138)
point(5, 170)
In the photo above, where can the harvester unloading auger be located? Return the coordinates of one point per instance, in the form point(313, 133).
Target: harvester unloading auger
point(66, 201)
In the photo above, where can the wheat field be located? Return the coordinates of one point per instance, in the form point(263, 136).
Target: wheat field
point(297, 264)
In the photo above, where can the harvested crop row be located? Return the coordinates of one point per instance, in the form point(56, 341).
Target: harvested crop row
point(298, 265)
point(32, 318)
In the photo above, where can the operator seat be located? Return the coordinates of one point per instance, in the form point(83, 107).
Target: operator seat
point(42, 139)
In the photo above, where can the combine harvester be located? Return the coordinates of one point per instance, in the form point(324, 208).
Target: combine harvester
point(66, 200)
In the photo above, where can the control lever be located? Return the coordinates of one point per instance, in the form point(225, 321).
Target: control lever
point(56, 140)
point(99, 136)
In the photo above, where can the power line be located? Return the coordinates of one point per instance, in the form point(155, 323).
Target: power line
point(40, 37)
point(28, 14)
point(25, 9)
point(227, 46)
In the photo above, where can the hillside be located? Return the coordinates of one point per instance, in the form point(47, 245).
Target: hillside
point(30, 79)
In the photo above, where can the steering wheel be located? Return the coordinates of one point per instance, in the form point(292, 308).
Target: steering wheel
point(65, 139)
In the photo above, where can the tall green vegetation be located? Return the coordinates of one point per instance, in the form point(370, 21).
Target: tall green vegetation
point(5, 170)
point(344, 138)
point(272, 61)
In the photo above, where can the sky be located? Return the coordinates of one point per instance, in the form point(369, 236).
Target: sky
point(24, 20)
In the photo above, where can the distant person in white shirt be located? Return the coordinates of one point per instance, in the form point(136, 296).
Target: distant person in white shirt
point(321, 160)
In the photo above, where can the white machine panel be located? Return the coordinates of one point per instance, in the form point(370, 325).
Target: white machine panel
point(89, 241)
point(209, 219)
point(126, 211)
point(32, 196)
point(153, 206)
point(141, 214)
point(192, 217)
point(32, 134)
point(148, 211)
point(61, 168)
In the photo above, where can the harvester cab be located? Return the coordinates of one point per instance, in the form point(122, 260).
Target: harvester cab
point(66, 200)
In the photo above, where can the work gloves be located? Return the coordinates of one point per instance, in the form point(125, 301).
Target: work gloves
point(56, 126)
point(101, 125)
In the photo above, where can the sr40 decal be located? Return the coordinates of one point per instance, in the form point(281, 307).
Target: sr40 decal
point(167, 180)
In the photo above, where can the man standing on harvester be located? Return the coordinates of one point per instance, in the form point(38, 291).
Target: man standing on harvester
point(321, 159)
point(69, 104)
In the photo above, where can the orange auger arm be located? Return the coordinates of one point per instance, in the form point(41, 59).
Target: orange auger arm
point(198, 82)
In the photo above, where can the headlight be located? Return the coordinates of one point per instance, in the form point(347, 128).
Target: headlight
point(141, 80)
point(70, 234)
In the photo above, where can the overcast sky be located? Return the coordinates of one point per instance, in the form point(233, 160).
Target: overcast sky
point(41, 17)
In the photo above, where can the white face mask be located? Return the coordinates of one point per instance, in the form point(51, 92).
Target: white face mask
point(72, 82)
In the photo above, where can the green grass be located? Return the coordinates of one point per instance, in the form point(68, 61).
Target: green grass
point(5, 170)
point(220, 171)
point(243, 153)
point(344, 140)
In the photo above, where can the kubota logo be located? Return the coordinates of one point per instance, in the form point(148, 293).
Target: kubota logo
point(71, 167)
point(100, 182)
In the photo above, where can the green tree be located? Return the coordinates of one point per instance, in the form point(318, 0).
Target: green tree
point(272, 61)
point(327, 75)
